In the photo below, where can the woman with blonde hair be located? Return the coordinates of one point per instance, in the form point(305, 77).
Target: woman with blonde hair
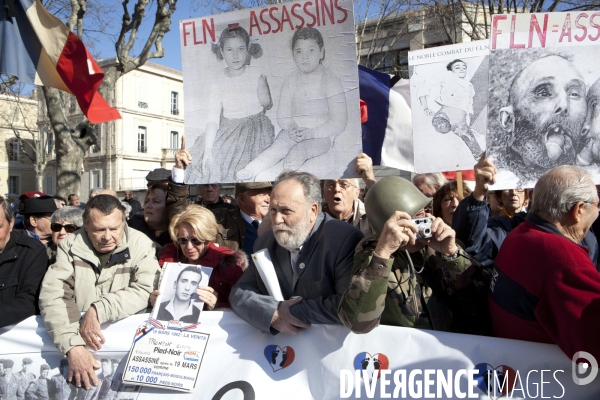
point(193, 232)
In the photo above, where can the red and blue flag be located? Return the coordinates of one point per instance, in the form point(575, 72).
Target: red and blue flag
point(386, 119)
point(39, 49)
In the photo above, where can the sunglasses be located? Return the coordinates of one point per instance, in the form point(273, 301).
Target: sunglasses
point(184, 241)
point(69, 228)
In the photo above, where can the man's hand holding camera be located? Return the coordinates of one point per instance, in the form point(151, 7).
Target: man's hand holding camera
point(400, 231)
point(397, 232)
point(442, 238)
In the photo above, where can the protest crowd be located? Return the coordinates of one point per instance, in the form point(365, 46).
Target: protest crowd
point(527, 270)
point(429, 254)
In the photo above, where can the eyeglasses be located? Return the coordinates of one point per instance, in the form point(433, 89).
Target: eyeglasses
point(331, 185)
point(184, 241)
point(69, 228)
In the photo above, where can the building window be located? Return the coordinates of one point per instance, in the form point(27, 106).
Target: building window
point(142, 96)
point(174, 103)
point(98, 132)
point(13, 185)
point(96, 179)
point(142, 144)
point(174, 140)
point(13, 149)
point(49, 142)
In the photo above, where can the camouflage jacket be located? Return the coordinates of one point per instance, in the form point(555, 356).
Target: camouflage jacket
point(391, 292)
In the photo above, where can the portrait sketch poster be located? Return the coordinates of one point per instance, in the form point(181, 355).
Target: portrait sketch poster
point(269, 89)
point(178, 300)
point(448, 87)
point(543, 90)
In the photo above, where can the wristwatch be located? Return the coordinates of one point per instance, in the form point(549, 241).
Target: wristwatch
point(452, 257)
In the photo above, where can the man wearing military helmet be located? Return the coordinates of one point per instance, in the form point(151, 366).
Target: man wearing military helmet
point(414, 275)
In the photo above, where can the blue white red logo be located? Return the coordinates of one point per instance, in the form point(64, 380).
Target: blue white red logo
point(175, 325)
point(367, 363)
point(191, 356)
point(496, 382)
point(142, 331)
point(279, 357)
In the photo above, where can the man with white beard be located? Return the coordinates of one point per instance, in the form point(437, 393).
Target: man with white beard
point(312, 254)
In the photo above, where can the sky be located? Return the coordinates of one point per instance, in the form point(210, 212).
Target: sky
point(171, 42)
point(185, 9)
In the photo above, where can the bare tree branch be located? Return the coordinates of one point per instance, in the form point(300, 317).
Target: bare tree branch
point(8, 82)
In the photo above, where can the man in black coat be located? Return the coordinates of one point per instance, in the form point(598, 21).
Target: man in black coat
point(312, 256)
point(23, 264)
point(136, 207)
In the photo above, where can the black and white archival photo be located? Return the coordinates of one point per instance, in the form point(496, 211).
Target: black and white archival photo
point(178, 300)
point(269, 89)
point(448, 87)
point(543, 97)
point(27, 376)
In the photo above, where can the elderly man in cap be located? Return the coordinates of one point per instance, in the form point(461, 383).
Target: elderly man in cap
point(24, 375)
point(59, 388)
point(36, 217)
point(10, 384)
point(238, 228)
point(312, 254)
point(545, 288)
point(414, 277)
point(105, 270)
point(23, 263)
point(159, 175)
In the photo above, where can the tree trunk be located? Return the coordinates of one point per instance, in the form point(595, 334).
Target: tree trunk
point(71, 145)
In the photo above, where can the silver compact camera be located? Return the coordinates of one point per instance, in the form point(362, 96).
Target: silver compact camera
point(423, 227)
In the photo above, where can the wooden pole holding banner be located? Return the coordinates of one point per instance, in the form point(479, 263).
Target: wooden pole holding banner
point(459, 185)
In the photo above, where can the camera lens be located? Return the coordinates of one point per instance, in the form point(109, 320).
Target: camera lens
point(424, 231)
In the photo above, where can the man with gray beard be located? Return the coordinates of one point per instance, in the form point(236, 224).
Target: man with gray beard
point(312, 254)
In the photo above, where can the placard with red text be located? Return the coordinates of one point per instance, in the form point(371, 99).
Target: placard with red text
point(271, 89)
point(543, 90)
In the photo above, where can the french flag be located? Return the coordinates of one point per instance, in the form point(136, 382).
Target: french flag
point(387, 131)
point(39, 49)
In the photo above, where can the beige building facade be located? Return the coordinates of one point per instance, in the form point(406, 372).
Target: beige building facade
point(150, 100)
point(19, 135)
point(383, 43)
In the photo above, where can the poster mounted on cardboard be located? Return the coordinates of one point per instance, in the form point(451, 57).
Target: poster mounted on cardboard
point(544, 86)
point(448, 87)
point(269, 89)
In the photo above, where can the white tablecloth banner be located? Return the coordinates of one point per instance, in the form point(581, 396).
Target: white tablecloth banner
point(241, 362)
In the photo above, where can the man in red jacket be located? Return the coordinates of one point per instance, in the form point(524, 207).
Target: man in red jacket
point(545, 288)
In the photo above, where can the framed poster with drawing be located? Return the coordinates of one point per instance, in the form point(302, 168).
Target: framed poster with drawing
point(543, 96)
point(448, 87)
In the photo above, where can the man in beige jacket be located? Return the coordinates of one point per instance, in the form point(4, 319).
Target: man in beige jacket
point(105, 270)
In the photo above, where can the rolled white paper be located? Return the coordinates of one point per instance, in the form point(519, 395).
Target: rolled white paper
point(266, 270)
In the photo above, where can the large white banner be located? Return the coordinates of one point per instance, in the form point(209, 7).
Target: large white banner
point(271, 88)
point(319, 364)
point(543, 91)
point(449, 86)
